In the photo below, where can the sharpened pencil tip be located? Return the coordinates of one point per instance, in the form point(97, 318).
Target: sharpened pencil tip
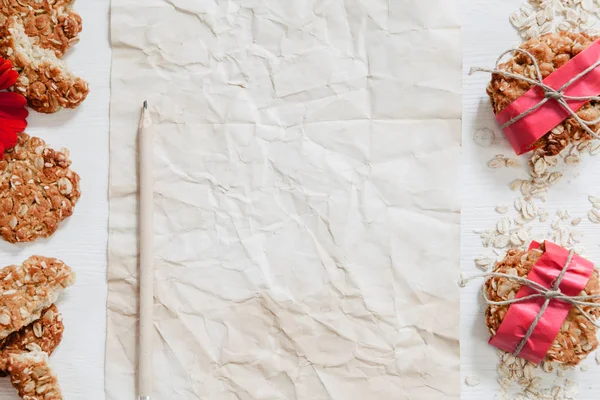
point(145, 105)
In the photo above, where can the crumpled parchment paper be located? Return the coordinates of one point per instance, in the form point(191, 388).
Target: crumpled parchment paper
point(307, 206)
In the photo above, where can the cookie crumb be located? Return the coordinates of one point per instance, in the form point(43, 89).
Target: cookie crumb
point(472, 381)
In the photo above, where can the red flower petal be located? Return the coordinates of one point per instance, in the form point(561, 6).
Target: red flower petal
point(17, 124)
point(8, 78)
point(8, 139)
point(5, 66)
point(8, 136)
point(11, 99)
point(14, 112)
point(12, 108)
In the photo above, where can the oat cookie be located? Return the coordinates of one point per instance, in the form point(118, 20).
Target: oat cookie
point(44, 79)
point(37, 190)
point(552, 51)
point(28, 289)
point(51, 23)
point(31, 375)
point(577, 337)
point(46, 332)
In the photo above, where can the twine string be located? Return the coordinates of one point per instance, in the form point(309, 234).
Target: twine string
point(549, 294)
point(549, 93)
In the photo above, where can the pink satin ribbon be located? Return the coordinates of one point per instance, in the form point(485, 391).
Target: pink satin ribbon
point(520, 315)
point(525, 132)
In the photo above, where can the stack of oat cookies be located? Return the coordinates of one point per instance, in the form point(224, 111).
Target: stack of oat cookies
point(38, 190)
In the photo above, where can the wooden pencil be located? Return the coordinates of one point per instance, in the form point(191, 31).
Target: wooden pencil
point(146, 243)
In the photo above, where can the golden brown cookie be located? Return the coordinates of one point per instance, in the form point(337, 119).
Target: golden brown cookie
point(29, 289)
point(31, 375)
point(577, 337)
point(552, 51)
point(51, 23)
point(46, 332)
point(44, 79)
point(37, 190)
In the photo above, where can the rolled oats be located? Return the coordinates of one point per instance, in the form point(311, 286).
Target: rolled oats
point(594, 216)
point(501, 209)
point(516, 184)
point(497, 162)
point(34, 200)
point(472, 381)
point(595, 149)
point(483, 262)
point(484, 137)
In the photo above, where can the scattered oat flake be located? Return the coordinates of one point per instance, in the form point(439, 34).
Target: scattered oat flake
point(572, 160)
point(594, 200)
point(563, 214)
point(472, 381)
point(512, 163)
point(483, 261)
point(515, 240)
point(526, 188)
point(484, 137)
point(583, 146)
point(501, 209)
point(519, 204)
point(594, 216)
point(540, 166)
point(554, 177)
point(529, 210)
point(576, 221)
point(523, 234)
point(496, 163)
point(516, 184)
point(503, 225)
point(501, 242)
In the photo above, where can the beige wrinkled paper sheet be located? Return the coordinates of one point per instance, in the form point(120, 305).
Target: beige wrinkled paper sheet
point(307, 202)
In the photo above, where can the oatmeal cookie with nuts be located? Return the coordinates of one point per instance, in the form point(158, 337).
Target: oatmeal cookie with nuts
point(31, 375)
point(577, 337)
point(551, 51)
point(46, 332)
point(29, 289)
point(51, 23)
point(44, 79)
point(37, 190)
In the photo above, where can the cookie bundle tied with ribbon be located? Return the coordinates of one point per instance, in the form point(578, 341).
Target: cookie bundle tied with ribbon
point(543, 304)
point(547, 94)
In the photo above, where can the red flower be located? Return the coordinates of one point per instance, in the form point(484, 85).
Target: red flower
point(13, 115)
